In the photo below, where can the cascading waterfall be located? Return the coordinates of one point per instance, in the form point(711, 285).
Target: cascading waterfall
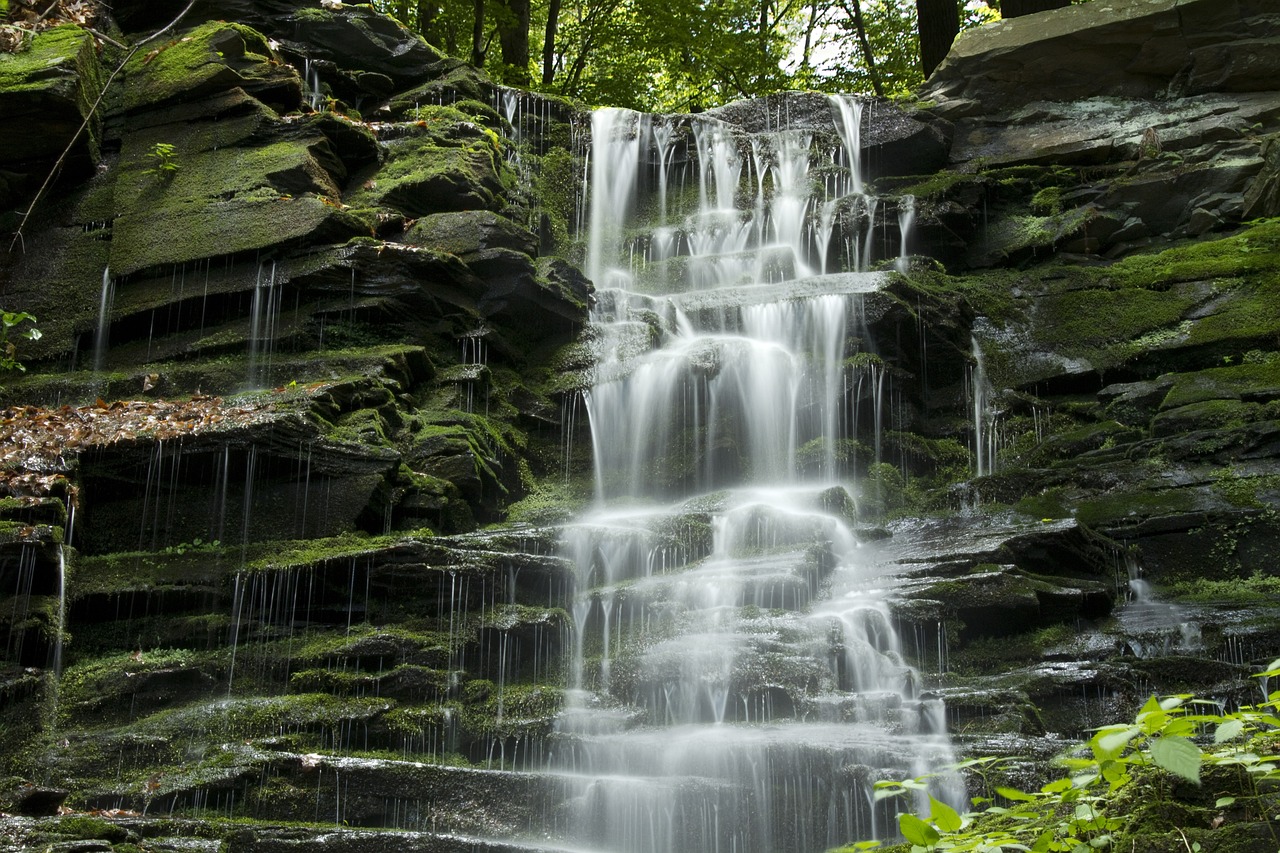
point(737, 682)
point(984, 438)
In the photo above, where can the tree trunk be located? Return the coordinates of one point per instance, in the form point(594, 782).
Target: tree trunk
point(859, 25)
point(427, 11)
point(1018, 8)
point(549, 43)
point(808, 37)
point(513, 38)
point(938, 23)
point(477, 34)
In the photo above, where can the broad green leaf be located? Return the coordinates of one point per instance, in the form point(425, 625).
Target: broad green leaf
point(1227, 731)
point(1153, 722)
point(1109, 744)
point(1015, 794)
point(1152, 704)
point(1179, 756)
point(1223, 802)
point(1057, 786)
point(917, 831)
point(1182, 726)
point(1085, 812)
point(1273, 668)
point(947, 818)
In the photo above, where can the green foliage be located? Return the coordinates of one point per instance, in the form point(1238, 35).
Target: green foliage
point(163, 158)
point(9, 320)
point(1175, 738)
point(684, 57)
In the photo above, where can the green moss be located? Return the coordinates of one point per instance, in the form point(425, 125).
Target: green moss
point(1088, 320)
point(86, 827)
point(1252, 253)
point(1257, 588)
point(1256, 381)
point(1047, 202)
point(986, 655)
point(937, 184)
point(555, 186)
point(426, 174)
point(215, 56)
point(1134, 506)
point(277, 556)
point(549, 503)
point(1208, 415)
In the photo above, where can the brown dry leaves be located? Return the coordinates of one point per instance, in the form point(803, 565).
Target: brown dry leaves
point(39, 439)
point(30, 16)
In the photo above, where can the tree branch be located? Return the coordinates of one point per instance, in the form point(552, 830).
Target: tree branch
point(17, 236)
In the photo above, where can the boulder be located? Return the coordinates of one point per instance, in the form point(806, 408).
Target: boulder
point(212, 58)
point(1128, 48)
point(46, 93)
point(434, 171)
point(468, 233)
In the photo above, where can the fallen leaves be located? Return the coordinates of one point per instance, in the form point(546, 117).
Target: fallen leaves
point(27, 17)
point(35, 442)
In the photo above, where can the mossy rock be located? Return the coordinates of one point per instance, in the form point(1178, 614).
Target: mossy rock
point(422, 176)
point(454, 80)
point(1247, 382)
point(1209, 415)
point(46, 92)
point(214, 57)
point(467, 233)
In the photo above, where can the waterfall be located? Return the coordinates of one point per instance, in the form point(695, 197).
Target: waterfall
point(984, 443)
point(906, 220)
point(263, 323)
point(718, 583)
point(104, 320)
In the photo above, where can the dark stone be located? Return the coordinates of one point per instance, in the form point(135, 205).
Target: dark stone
point(359, 40)
point(36, 800)
point(1135, 48)
point(466, 234)
point(46, 93)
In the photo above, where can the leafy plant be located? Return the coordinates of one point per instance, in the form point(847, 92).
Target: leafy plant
point(163, 157)
point(8, 350)
point(1177, 737)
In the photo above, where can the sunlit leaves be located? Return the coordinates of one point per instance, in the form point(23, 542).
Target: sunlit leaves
point(1175, 736)
point(1179, 756)
point(917, 831)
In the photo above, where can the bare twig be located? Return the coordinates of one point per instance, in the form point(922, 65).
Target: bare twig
point(108, 39)
point(17, 237)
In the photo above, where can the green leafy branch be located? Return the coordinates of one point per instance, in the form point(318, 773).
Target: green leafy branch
point(1177, 736)
point(163, 158)
point(8, 350)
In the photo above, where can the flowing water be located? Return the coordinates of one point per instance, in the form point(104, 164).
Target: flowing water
point(737, 681)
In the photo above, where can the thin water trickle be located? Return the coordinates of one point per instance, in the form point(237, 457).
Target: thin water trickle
point(105, 302)
point(718, 583)
point(906, 221)
point(263, 323)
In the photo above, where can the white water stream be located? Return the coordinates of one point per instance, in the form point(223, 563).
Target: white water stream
point(738, 684)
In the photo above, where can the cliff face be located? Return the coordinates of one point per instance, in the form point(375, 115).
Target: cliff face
point(337, 276)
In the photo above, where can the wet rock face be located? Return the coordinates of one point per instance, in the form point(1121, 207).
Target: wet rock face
point(243, 605)
point(1140, 49)
point(46, 93)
